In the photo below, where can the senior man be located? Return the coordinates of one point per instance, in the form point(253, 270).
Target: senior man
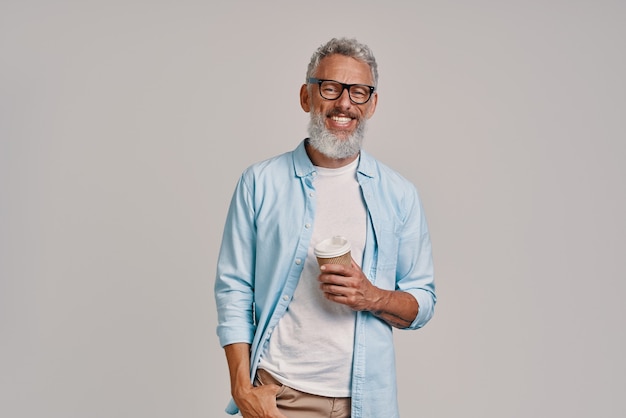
point(308, 341)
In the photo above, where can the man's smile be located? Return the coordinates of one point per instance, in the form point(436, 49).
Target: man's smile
point(341, 121)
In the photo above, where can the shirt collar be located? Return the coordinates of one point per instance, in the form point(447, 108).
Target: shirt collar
point(301, 162)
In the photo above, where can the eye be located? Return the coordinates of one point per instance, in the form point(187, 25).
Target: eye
point(359, 92)
point(330, 88)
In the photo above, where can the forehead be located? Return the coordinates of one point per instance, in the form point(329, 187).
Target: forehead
point(344, 69)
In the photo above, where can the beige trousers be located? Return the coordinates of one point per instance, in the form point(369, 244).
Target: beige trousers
point(296, 404)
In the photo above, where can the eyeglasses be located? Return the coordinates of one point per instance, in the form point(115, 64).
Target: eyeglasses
point(332, 90)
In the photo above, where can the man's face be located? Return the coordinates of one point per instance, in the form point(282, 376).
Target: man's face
point(340, 117)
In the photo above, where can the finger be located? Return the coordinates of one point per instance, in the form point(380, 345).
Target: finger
point(336, 278)
point(268, 389)
point(342, 300)
point(276, 388)
point(339, 269)
point(333, 289)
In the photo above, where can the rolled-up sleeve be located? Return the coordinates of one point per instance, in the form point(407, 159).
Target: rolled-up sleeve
point(415, 273)
point(234, 282)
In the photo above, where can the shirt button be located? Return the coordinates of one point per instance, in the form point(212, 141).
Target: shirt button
point(307, 226)
point(314, 173)
point(298, 262)
point(285, 298)
point(311, 194)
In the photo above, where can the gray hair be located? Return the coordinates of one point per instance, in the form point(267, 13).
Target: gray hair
point(347, 47)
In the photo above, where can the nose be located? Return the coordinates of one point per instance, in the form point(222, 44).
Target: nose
point(343, 101)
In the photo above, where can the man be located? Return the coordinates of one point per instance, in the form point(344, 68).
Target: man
point(305, 341)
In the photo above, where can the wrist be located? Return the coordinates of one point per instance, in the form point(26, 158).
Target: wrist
point(379, 301)
point(241, 390)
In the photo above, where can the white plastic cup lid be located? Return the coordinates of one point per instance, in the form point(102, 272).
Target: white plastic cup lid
point(332, 247)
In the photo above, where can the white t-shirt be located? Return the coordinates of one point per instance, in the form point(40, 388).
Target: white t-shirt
point(311, 347)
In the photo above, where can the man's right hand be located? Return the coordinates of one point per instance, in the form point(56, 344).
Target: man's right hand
point(253, 402)
point(258, 402)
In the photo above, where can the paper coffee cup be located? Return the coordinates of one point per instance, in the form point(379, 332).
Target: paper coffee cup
point(335, 250)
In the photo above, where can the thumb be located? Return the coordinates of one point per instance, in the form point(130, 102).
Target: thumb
point(275, 388)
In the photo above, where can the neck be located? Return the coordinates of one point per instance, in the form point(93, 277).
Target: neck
point(321, 160)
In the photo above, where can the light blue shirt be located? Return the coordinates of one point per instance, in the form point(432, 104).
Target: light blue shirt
point(265, 243)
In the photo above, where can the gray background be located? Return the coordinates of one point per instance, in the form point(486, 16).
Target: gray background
point(124, 126)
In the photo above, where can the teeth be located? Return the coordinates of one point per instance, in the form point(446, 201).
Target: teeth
point(341, 119)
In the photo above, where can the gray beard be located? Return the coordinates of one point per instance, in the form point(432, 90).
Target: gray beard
point(329, 144)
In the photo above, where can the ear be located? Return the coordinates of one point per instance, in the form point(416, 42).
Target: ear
point(372, 105)
point(304, 98)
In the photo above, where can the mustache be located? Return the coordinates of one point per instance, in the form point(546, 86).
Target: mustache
point(337, 112)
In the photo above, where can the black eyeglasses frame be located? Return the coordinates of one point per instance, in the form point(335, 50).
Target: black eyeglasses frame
point(344, 86)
